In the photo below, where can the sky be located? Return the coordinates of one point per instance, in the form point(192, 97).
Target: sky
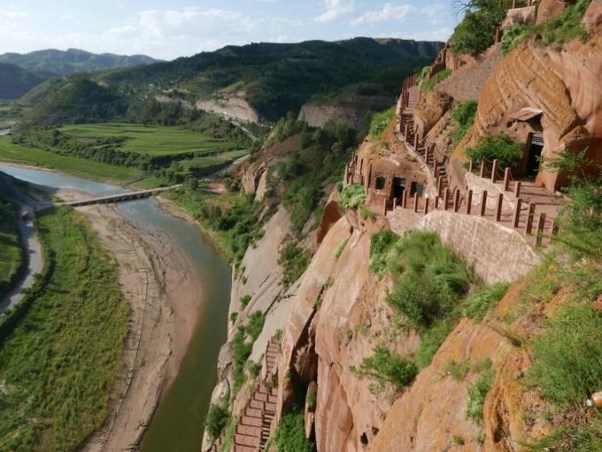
point(170, 29)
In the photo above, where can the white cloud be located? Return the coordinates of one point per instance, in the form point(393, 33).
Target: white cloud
point(388, 12)
point(335, 9)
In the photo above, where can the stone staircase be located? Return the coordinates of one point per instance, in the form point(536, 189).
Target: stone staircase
point(255, 426)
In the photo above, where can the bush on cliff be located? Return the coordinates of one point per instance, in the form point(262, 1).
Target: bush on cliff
point(294, 260)
point(463, 117)
point(217, 418)
point(380, 245)
point(498, 147)
point(379, 123)
point(429, 279)
point(352, 196)
point(567, 365)
point(290, 434)
point(386, 366)
point(476, 32)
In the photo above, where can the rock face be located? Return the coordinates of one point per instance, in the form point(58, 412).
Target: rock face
point(353, 112)
point(565, 85)
point(234, 107)
point(351, 320)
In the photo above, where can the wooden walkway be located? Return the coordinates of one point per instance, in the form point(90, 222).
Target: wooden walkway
point(255, 425)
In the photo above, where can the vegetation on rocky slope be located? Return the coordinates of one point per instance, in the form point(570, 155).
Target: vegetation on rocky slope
point(556, 31)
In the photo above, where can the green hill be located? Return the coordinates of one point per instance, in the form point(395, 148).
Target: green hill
point(272, 79)
point(277, 78)
point(72, 61)
point(80, 100)
point(15, 81)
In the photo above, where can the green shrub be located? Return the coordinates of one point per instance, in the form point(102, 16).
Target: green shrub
point(340, 250)
point(430, 341)
point(566, 26)
point(366, 213)
point(482, 300)
point(463, 117)
point(476, 396)
point(476, 32)
point(380, 244)
point(217, 418)
point(229, 435)
point(429, 279)
point(567, 365)
point(497, 147)
point(290, 434)
point(244, 301)
point(312, 396)
point(241, 350)
point(352, 196)
point(379, 123)
point(255, 325)
point(429, 84)
point(514, 36)
point(294, 260)
point(457, 370)
point(233, 317)
point(385, 366)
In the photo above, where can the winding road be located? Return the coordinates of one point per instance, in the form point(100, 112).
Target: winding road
point(33, 249)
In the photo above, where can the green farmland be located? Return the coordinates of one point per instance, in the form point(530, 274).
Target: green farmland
point(148, 140)
point(146, 156)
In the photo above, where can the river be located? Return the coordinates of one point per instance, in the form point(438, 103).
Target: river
point(177, 424)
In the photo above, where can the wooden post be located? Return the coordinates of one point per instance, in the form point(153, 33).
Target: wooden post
point(426, 205)
point(517, 189)
point(404, 200)
point(394, 203)
point(554, 228)
point(385, 207)
point(437, 171)
point(483, 203)
point(471, 166)
point(494, 169)
point(517, 212)
point(440, 187)
point(530, 216)
point(415, 141)
point(426, 155)
point(469, 202)
point(446, 199)
point(456, 200)
point(405, 133)
point(436, 202)
point(507, 179)
point(482, 170)
point(498, 209)
point(540, 227)
point(416, 202)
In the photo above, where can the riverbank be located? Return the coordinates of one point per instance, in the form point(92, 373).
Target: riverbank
point(159, 283)
point(157, 255)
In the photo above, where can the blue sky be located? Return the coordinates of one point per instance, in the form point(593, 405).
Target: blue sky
point(169, 29)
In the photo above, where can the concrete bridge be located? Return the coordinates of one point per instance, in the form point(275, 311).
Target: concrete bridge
point(122, 197)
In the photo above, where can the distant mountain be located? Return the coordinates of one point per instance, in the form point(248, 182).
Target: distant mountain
point(72, 61)
point(255, 82)
point(15, 81)
point(272, 79)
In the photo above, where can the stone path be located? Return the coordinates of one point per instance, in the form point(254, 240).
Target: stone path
point(255, 425)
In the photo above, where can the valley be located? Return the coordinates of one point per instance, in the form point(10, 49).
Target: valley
point(364, 244)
